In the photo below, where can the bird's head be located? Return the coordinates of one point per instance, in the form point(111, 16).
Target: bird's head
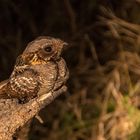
point(44, 49)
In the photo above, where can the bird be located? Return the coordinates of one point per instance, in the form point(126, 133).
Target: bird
point(38, 70)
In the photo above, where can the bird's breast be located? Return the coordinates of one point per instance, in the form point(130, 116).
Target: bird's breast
point(48, 74)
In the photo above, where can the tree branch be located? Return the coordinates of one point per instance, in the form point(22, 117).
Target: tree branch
point(14, 115)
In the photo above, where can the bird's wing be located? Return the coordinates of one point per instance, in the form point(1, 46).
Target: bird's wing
point(24, 85)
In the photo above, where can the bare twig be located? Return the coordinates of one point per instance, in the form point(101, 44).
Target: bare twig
point(72, 15)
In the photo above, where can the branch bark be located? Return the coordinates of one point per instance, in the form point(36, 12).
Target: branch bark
point(14, 115)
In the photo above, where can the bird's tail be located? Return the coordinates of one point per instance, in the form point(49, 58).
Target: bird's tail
point(3, 94)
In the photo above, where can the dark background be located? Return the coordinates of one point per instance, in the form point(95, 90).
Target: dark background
point(87, 26)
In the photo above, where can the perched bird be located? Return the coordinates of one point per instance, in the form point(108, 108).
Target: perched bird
point(38, 70)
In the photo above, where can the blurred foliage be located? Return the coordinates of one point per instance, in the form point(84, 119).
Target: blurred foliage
point(102, 102)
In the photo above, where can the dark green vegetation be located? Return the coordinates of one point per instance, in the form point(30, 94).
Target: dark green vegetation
point(102, 102)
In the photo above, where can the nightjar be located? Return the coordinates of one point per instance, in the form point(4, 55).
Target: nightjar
point(38, 70)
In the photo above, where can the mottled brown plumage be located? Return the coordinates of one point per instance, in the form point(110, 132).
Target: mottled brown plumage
point(39, 69)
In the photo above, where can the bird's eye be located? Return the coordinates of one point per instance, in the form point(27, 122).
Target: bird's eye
point(48, 48)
